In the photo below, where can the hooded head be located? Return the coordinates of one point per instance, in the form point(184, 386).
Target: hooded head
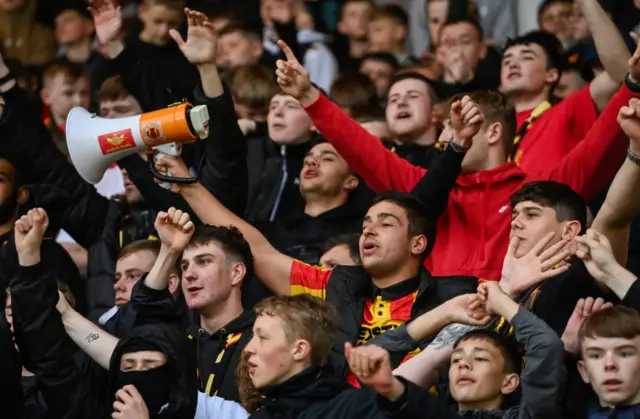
point(156, 360)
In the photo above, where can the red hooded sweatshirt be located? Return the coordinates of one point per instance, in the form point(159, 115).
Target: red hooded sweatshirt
point(473, 234)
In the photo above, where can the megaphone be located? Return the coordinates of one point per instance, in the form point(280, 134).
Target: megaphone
point(95, 143)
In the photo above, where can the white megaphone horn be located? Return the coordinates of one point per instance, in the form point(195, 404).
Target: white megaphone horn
point(95, 143)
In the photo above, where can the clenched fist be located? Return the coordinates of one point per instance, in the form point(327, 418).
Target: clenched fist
point(29, 233)
point(175, 229)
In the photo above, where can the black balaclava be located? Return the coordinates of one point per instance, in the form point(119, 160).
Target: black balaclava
point(153, 385)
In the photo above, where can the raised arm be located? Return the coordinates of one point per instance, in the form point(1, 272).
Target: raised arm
point(381, 169)
point(272, 267)
point(612, 52)
point(622, 204)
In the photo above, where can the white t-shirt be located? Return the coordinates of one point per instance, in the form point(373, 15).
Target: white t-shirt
point(213, 407)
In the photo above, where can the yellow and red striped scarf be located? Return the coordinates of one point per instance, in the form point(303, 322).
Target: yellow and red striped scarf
point(516, 153)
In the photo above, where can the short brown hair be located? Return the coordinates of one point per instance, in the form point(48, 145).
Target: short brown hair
point(246, 29)
point(495, 108)
point(112, 89)
point(139, 246)
point(612, 322)
point(391, 12)
point(303, 317)
point(177, 5)
point(252, 86)
point(70, 71)
point(354, 91)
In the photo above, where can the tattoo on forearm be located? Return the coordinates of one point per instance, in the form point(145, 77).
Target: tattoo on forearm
point(92, 337)
point(449, 335)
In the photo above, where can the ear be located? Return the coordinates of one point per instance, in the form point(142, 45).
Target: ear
point(238, 271)
point(483, 50)
point(494, 133)
point(582, 369)
point(174, 283)
point(510, 383)
point(341, 27)
point(45, 96)
point(257, 50)
point(418, 244)
point(22, 195)
point(400, 33)
point(571, 230)
point(313, 129)
point(552, 76)
point(350, 183)
point(301, 350)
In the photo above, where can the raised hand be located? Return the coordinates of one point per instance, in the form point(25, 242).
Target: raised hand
point(466, 118)
point(370, 364)
point(629, 120)
point(584, 308)
point(518, 274)
point(29, 233)
point(200, 46)
point(107, 19)
point(293, 78)
point(175, 229)
point(495, 301)
point(178, 170)
point(466, 309)
point(129, 404)
point(595, 251)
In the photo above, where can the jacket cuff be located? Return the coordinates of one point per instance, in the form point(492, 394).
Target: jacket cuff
point(634, 290)
point(141, 289)
point(223, 100)
point(396, 405)
point(31, 272)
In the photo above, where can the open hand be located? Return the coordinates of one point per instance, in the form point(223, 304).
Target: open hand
point(200, 46)
point(175, 229)
point(595, 251)
point(584, 308)
point(540, 263)
point(107, 19)
point(29, 233)
point(129, 404)
point(293, 78)
point(466, 118)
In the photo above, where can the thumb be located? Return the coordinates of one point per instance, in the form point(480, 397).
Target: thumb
point(177, 37)
point(347, 349)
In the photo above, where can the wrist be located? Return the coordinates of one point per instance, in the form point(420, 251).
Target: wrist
point(166, 252)
point(464, 143)
point(394, 391)
point(505, 307)
point(508, 289)
point(114, 48)
point(309, 96)
point(29, 257)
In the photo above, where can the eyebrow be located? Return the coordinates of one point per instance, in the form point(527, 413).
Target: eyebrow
point(475, 349)
point(383, 215)
point(324, 152)
point(529, 208)
point(198, 256)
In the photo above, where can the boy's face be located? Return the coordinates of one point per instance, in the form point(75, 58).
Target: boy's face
point(71, 27)
point(62, 94)
point(409, 108)
point(557, 19)
point(325, 173)
point(611, 366)
point(355, 19)
point(531, 222)
point(524, 70)
point(157, 21)
point(235, 49)
point(385, 35)
point(477, 377)
point(437, 11)
point(462, 39)
point(380, 73)
point(287, 121)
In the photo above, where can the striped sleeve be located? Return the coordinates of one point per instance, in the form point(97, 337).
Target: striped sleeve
point(307, 279)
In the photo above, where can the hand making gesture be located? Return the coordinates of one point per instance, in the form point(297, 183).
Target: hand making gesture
point(29, 233)
point(107, 19)
point(466, 120)
point(200, 46)
point(175, 229)
point(293, 78)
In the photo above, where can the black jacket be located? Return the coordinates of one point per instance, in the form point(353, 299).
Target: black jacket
point(10, 370)
point(312, 394)
point(170, 340)
point(104, 226)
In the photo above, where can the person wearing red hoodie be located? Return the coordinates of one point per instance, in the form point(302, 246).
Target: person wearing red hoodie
point(474, 231)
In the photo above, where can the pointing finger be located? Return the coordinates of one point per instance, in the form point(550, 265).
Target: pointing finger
point(287, 51)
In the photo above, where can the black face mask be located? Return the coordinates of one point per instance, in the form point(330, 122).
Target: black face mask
point(8, 208)
point(153, 385)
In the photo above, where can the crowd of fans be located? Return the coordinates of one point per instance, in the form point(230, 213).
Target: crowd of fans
point(403, 209)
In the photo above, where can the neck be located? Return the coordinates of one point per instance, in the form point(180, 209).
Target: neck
point(387, 280)
point(493, 404)
point(80, 51)
point(145, 37)
point(425, 138)
point(357, 47)
point(493, 160)
point(317, 204)
point(217, 316)
point(524, 101)
point(7, 227)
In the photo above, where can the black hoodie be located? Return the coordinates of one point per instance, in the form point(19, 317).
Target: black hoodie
point(170, 340)
point(314, 394)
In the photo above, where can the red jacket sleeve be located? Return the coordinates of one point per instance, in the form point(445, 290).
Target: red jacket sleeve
point(381, 169)
point(595, 160)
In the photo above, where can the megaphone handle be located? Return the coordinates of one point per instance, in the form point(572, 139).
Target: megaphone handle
point(164, 178)
point(164, 185)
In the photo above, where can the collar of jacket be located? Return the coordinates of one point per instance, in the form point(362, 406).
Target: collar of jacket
point(595, 411)
point(286, 400)
point(481, 414)
point(500, 174)
point(239, 324)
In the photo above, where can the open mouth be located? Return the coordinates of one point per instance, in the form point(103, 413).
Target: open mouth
point(278, 126)
point(193, 289)
point(369, 247)
point(310, 174)
point(514, 75)
point(612, 385)
point(403, 115)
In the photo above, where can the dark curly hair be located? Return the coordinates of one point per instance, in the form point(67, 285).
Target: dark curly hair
point(230, 239)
